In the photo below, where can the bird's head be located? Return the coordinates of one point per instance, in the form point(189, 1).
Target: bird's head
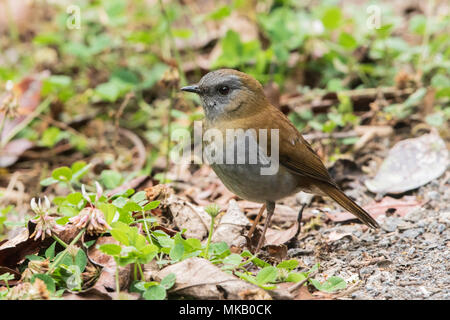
point(228, 94)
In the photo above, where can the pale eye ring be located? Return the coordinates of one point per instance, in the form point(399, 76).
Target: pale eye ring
point(224, 90)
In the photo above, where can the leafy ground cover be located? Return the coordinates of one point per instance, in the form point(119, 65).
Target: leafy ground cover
point(91, 206)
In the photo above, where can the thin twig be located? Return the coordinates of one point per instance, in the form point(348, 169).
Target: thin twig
point(118, 114)
point(42, 106)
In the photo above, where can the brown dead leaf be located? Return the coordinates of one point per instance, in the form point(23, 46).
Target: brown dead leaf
point(387, 206)
point(89, 294)
point(159, 192)
point(200, 279)
point(11, 152)
point(410, 164)
point(320, 295)
point(106, 283)
point(13, 251)
point(334, 235)
point(232, 226)
point(302, 293)
point(183, 214)
point(279, 237)
point(277, 252)
point(22, 100)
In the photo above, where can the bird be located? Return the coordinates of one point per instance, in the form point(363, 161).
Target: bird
point(234, 100)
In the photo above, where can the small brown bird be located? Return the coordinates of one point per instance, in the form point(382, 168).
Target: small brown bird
point(235, 100)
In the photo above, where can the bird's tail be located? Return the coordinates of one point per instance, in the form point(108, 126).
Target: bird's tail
point(348, 204)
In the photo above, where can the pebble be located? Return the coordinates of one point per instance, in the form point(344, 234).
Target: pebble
point(444, 217)
point(390, 224)
point(298, 252)
point(366, 271)
point(433, 195)
point(414, 215)
point(413, 233)
point(385, 242)
point(441, 228)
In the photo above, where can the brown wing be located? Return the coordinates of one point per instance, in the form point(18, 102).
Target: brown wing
point(296, 153)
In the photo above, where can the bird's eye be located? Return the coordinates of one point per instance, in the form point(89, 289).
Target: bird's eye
point(224, 90)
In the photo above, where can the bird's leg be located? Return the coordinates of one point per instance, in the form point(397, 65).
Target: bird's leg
point(299, 220)
point(304, 199)
point(270, 209)
point(255, 223)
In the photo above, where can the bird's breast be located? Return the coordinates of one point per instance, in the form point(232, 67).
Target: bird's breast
point(245, 169)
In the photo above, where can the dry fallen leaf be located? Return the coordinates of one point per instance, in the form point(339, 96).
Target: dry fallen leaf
point(13, 251)
point(106, 283)
point(388, 205)
point(231, 226)
point(11, 152)
point(279, 237)
point(410, 164)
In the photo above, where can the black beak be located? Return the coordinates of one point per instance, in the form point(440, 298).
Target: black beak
point(194, 88)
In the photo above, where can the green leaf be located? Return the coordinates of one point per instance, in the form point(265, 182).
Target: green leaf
point(132, 206)
point(417, 24)
point(233, 259)
point(182, 33)
point(415, 98)
point(267, 275)
point(111, 249)
point(138, 197)
point(32, 257)
point(168, 281)
point(436, 119)
point(79, 169)
point(50, 252)
point(330, 285)
point(81, 259)
point(109, 211)
point(6, 276)
point(152, 205)
point(74, 198)
point(110, 178)
point(50, 137)
point(177, 251)
point(332, 17)
point(347, 41)
point(155, 293)
point(62, 174)
point(295, 277)
point(288, 264)
point(120, 236)
point(220, 13)
point(48, 181)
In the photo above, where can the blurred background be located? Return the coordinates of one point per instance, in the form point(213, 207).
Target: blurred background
point(97, 82)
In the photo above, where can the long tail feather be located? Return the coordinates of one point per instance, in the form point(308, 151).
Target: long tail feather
point(348, 204)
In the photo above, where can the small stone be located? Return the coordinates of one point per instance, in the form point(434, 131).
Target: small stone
point(433, 195)
point(444, 217)
point(294, 252)
point(414, 215)
point(385, 242)
point(412, 233)
point(425, 292)
point(366, 271)
point(390, 224)
point(441, 228)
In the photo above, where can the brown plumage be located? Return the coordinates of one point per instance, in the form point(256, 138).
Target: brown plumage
point(245, 106)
